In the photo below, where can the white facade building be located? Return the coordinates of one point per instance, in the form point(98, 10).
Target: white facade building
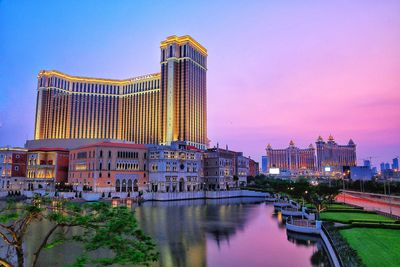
point(175, 168)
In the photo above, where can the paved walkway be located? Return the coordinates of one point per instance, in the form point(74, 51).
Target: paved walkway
point(369, 203)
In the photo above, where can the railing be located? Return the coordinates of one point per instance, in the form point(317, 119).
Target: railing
point(302, 223)
point(393, 216)
point(290, 209)
point(370, 194)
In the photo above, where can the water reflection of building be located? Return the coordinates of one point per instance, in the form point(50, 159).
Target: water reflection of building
point(319, 256)
point(185, 244)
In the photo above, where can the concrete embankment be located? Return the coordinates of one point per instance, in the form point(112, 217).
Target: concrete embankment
point(158, 196)
point(149, 196)
point(330, 249)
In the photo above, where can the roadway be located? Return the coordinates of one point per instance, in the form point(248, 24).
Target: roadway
point(369, 203)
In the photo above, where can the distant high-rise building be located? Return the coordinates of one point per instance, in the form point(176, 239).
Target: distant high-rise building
point(367, 163)
point(387, 166)
point(360, 173)
point(333, 156)
point(395, 164)
point(156, 108)
point(264, 164)
point(382, 166)
point(292, 158)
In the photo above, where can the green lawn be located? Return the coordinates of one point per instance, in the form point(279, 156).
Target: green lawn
point(340, 206)
point(346, 217)
point(376, 247)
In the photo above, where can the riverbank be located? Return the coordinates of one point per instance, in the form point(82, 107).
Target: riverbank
point(362, 237)
point(147, 196)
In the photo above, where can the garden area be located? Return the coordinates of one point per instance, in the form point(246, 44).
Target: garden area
point(362, 237)
point(374, 246)
point(349, 216)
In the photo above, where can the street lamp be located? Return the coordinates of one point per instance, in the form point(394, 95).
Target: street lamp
point(344, 194)
point(390, 199)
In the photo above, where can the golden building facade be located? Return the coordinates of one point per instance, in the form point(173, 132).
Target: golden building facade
point(292, 158)
point(332, 157)
point(152, 109)
point(183, 107)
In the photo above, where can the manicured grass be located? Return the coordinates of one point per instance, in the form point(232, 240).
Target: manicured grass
point(338, 206)
point(347, 217)
point(376, 247)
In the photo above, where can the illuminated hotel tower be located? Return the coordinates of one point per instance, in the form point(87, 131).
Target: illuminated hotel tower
point(335, 156)
point(183, 91)
point(151, 109)
point(292, 158)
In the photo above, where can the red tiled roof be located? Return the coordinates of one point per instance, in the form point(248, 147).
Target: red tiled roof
point(113, 144)
point(48, 149)
point(193, 148)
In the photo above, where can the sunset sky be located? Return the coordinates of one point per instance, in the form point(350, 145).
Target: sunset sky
point(277, 70)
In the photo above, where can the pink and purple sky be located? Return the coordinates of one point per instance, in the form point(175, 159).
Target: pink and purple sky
point(277, 70)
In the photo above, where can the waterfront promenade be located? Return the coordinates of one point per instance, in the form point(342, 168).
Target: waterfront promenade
point(368, 202)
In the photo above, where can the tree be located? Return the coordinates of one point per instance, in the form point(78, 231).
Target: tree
point(100, 227)
point(320, 196)
point(300, 188)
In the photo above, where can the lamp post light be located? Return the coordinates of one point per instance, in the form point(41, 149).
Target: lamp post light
point(390, 198)
point(344, 193)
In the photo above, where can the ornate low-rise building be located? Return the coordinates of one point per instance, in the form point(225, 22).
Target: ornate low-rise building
point(219, 168)
point(175, 168)
point(46, 168)
point(109, 167)
point(254, 168)
point(242, 168)
point(12, 168)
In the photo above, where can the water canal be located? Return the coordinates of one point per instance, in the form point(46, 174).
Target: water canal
point(225, 232)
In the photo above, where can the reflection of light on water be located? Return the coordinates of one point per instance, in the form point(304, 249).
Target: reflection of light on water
point(114, 203)
point(280, 219)
point(129, 203)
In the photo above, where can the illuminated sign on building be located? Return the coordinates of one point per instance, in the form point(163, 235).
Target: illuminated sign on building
point(327, 169)
point(274, 171)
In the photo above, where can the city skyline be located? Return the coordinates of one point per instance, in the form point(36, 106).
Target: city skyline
point(350, 82)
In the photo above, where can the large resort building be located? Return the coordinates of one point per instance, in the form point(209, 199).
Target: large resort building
point(328, 158)
point(151, 109)
point(332, 157)
point(147, 133)
point(292, 158)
